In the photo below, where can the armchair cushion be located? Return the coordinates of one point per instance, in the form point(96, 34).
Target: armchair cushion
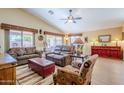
point(65, 76)
point(70, 69)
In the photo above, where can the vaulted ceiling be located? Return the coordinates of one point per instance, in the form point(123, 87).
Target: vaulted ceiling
point(92, 18)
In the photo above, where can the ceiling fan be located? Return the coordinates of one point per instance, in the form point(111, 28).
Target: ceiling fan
point(70, 18)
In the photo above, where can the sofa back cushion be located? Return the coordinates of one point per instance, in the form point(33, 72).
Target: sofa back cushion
point(16, 51)
point(58, 48)
point(68, 48)
point(12, 51)
point(21, 51)
point(30, 50)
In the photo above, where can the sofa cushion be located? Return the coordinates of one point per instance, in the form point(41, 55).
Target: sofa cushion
point(27, 56)
point(12, 52)
point(57, 52)
point(23, 57)
point(58, 48)
point(69, 68)
point(64, 52)
point(50, 55)
point(34, 55)
point(67, 48)
point(58, 56)
point(21, 51)
point(31, 50)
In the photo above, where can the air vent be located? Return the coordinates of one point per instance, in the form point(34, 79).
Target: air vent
point(50, 12)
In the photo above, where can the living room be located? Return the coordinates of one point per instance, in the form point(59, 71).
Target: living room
point(35, 39)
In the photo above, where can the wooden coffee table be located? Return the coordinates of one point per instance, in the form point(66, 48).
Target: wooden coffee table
point(42, 66)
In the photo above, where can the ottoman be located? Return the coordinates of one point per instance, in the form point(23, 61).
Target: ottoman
point(42, 66)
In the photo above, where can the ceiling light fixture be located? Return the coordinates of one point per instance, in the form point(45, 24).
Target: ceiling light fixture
point(70, 18)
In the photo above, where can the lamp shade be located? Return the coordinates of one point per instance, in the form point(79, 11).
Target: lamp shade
point(78, 41)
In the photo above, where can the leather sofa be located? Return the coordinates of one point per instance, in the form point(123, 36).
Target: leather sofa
point(61, 55)
point(23, 54)
point(64, 49)
point(60, 60)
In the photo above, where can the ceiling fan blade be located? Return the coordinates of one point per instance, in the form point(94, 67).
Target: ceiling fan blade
point(74, 21)
point(78, 18)
point(63, 19)
point(66, 22)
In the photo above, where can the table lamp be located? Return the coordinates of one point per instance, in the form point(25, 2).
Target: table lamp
point(78, 41)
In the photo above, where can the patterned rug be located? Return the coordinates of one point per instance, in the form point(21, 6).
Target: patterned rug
point(25, 76)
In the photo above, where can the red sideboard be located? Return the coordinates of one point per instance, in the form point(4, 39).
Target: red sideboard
point(107, 51)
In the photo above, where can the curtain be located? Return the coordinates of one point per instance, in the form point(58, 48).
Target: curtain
point(122, 35)
point(7, 39)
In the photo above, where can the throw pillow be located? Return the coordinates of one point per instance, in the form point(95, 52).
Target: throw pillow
point(20, 52)
point(77, 64)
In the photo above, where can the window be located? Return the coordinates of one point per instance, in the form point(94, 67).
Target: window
point(52, 41)
point(21, 39)
point(59, 40)
point(15, 39)
point(27, 39)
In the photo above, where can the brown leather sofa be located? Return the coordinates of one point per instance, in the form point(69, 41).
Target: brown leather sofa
point(64, 49)
point(60, 60)
point(23, 54)
point(61, 55)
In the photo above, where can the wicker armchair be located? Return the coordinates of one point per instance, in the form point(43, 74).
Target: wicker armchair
point(73, 76)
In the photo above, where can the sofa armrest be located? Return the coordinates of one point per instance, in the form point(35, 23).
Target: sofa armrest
point(14, 56)
point(48, 53)
point(39, 53)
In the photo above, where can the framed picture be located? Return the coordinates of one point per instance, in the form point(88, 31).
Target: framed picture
point(104, 38)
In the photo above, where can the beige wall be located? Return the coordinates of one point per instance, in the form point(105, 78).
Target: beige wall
point(22, 18)
point(116, 33)
point(2, 41)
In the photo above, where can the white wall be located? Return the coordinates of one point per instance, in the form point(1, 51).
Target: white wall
point(21, 18)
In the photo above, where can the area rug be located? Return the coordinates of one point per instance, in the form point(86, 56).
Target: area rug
point(25, 76)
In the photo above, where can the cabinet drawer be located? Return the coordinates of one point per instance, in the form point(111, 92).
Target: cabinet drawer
point(7, 74)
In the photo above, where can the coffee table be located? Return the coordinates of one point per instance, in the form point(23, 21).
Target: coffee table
point(42, 66)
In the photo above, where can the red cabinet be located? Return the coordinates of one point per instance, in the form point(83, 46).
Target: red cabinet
point(107, 51)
